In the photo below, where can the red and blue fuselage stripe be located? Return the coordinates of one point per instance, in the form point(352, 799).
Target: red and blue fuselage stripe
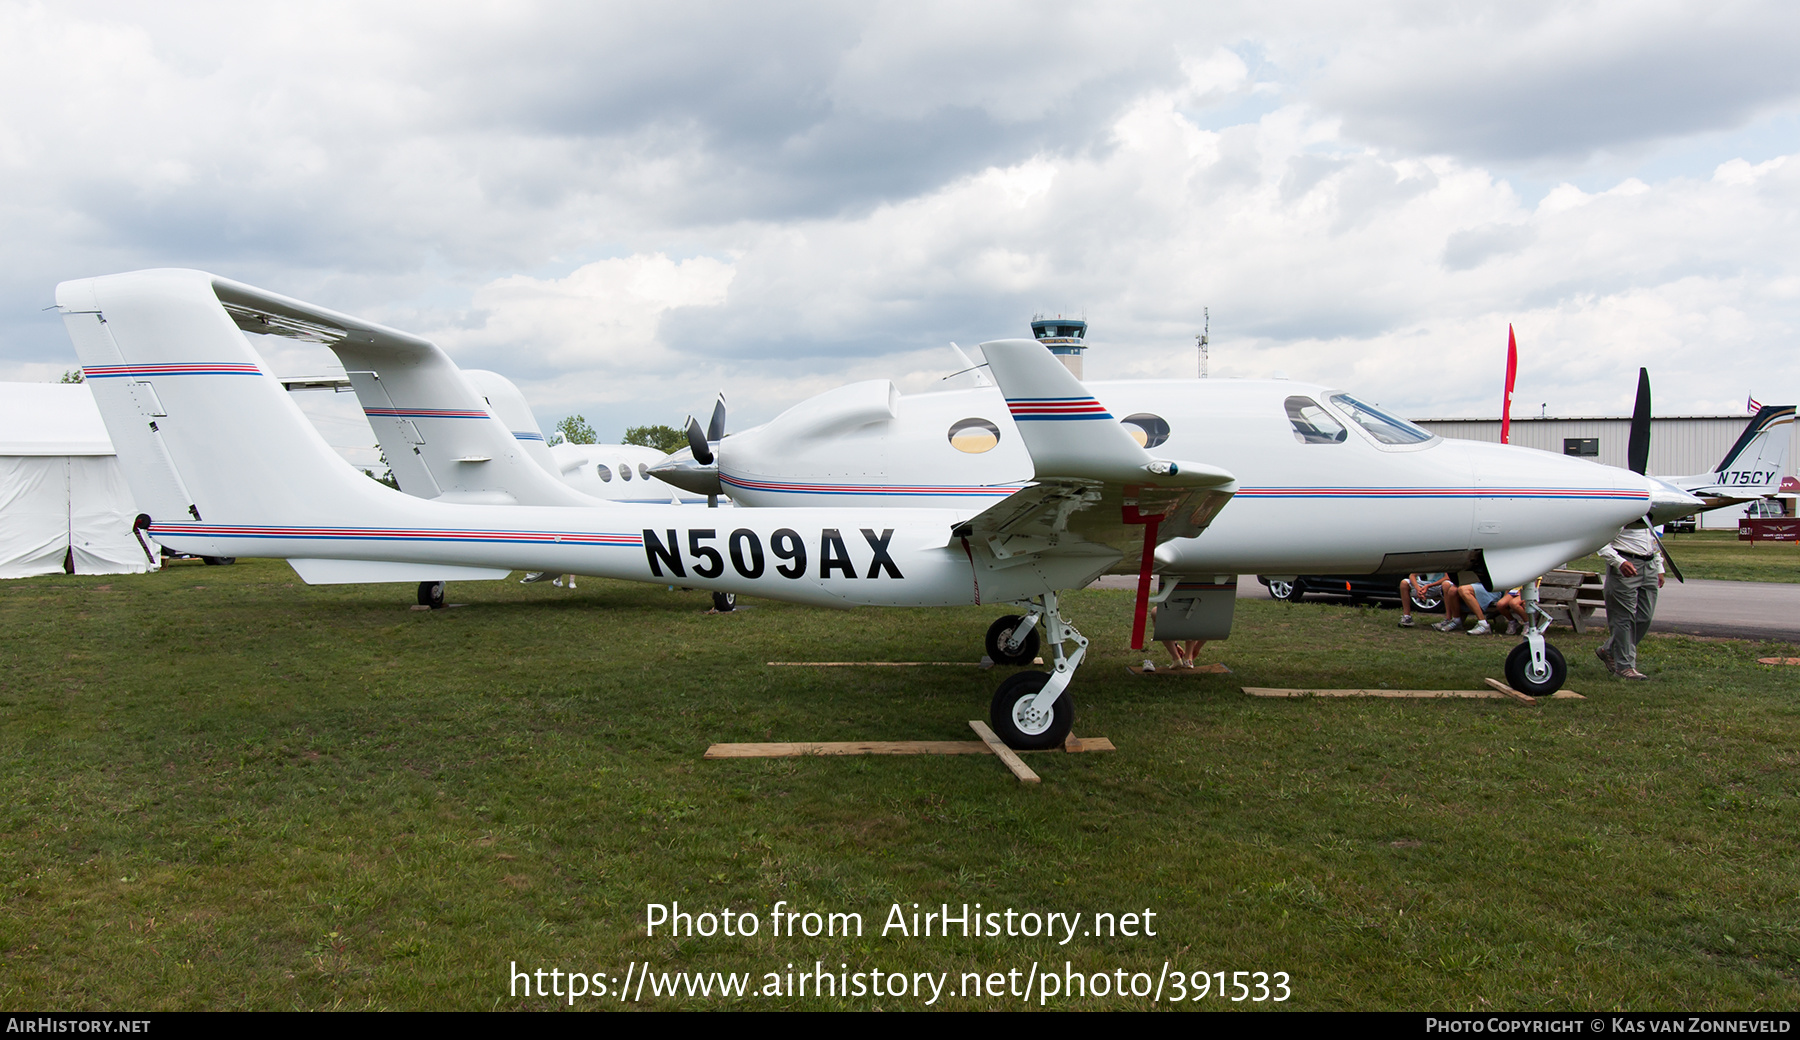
point(428, 413)
point(1061, 408)
point(1443, 492)
point(400, 534)
point(199, 368)
point(926, 490)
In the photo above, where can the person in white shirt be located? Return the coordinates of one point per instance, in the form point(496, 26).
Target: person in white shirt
point(1634, 571)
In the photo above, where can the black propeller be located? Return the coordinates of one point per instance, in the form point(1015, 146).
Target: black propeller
point(701, 441)
point(1637, 452)
point(1637, 456)
point(697, 442)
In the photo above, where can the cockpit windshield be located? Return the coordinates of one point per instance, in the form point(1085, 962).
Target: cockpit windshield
point(1313, 424)
point(1379, 425)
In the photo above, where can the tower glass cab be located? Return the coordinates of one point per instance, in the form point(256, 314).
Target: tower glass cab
point(1065, 337)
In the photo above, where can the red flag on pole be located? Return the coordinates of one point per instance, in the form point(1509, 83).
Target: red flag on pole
point(1512, 372)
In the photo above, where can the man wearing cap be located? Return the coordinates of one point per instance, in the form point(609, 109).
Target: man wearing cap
point(1634, 572)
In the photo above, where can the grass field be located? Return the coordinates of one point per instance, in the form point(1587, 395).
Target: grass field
point(223, 789)
point(1719, 555)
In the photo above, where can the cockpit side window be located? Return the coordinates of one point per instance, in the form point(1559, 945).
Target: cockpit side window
point(1313, 424)
point(1380, 425)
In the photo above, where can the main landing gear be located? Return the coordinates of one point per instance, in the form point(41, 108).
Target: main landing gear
point(1031, 710)
point(1535, 667)
point(431, 594)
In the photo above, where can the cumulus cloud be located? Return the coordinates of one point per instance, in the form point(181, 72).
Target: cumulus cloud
point(628, 207)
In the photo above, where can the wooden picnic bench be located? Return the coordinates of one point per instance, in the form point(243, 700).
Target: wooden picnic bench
point(1571, 597)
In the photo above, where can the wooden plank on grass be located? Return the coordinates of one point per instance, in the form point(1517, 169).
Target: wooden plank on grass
point(1003, 753)
point(885, 664)
point(1268, 691)
point(1564, 694)
point(802, 749)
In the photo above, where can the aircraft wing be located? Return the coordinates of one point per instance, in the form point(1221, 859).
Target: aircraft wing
point(1095, 488)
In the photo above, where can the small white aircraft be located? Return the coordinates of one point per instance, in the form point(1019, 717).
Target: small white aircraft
point(1328, 484)
point(226, 465)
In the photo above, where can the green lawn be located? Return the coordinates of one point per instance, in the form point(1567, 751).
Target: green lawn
point(224, 789)
point(1719, 555)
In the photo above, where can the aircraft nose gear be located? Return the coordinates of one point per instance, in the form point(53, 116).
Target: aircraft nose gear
point(1032, 710)
point(1535, 667)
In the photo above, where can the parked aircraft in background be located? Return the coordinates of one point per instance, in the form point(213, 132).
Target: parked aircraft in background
point(1753, 467)
point(450, 434)
point(223, 462)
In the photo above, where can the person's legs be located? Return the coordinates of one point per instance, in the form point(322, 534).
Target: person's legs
point(1621, 620)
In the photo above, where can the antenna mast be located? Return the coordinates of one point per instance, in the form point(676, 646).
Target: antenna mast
point(1204, 338)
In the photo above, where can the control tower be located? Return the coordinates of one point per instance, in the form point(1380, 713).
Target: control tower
point(1064, 336)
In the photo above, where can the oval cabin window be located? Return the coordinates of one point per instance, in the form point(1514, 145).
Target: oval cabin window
point(644, 470)
point(1148, 430)
point(625, 471)
point(974, 436)
point(604, 473)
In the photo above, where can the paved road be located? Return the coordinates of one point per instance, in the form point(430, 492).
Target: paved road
point(1734, 609)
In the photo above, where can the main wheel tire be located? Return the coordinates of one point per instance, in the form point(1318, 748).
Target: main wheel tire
point(997, 634)
point(1034, 731)
point(1287, 591)
point(1521, 677)
point(724, 602)
point(219, 561)
point(431, 594)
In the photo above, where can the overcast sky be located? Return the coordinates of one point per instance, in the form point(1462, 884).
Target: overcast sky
point(625, 207)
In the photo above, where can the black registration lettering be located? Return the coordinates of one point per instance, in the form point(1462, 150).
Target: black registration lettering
point(833, 555)
point(654, 550)
point(715, 564)
point(882, 561)
point(740, 539)
point(786, 545)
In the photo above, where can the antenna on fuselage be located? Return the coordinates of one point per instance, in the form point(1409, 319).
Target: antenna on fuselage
point(1204, 338)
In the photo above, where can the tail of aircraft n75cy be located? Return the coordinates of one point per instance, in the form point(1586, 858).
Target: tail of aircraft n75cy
point(1754, 465)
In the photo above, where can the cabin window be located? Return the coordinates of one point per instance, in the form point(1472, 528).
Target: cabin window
point(1312, 423)
point(1148, 430)
point(974, 436)
point(1380, 425)
point(644, 470)
point(624, 471)
point(605, 474)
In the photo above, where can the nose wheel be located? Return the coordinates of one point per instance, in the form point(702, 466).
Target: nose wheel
point(1021, 723)
point(1534, 667)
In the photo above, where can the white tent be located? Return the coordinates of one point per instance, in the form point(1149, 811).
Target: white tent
point(63, 495)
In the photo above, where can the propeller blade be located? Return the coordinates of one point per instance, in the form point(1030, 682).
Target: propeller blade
point(1668, 559)
point(1637, 453)
point(697, 442)
point(715, 430)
